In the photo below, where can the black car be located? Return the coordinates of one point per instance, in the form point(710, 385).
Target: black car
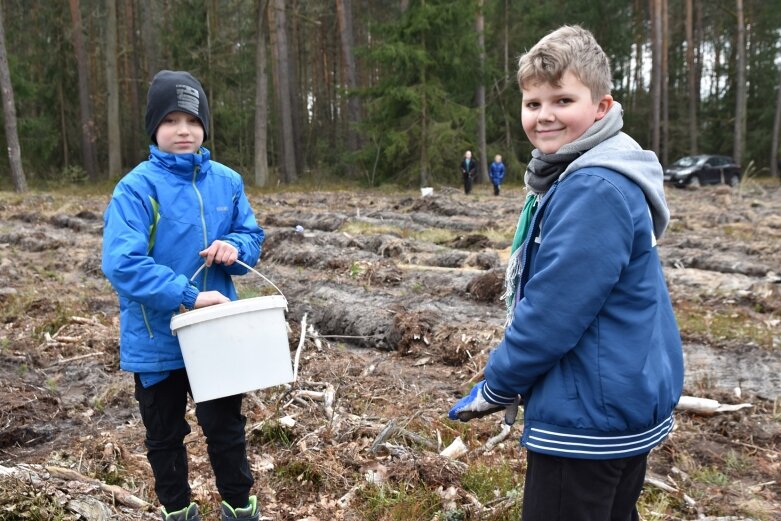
point(703, 170)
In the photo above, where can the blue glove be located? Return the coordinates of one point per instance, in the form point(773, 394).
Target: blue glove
point(477, 404)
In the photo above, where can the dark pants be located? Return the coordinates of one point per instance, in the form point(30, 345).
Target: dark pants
point(162, 409)
point(567, 489)
point(496, 188)
point(467, 183)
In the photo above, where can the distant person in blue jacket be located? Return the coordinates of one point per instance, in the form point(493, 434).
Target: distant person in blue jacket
point(592, 346)
point(168, 216)
point(496, 170)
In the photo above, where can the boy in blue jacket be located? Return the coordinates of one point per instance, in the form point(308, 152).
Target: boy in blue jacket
point(591, 345)
point(496, 170)
point(170, 214)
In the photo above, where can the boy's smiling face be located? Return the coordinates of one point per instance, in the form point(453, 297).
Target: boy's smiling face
point(554, 116)
point(179, 133)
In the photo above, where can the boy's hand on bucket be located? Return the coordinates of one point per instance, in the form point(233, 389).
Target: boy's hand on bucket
point(476, 405)
point(209, 298)
point(220, 252)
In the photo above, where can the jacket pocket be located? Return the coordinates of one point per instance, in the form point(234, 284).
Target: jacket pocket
point(568, 375)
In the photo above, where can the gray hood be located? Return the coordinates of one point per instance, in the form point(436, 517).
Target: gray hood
point(622, 154)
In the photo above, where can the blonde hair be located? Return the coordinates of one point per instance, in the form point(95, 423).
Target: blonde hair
point(568, 48)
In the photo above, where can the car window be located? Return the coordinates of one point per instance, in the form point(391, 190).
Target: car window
point(686, 161)
point(715, 161)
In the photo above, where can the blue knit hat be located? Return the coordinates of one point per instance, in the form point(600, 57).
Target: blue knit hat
point(175, 91)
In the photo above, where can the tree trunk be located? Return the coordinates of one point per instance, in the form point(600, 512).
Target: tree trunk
point(775, 171)
point(87, 124)
point(261, 99)
point(319, 70)
point(296, 102)
point(482, 175)
point(691, 75)
point(665, 85)
point(656, 72)
point(63, 126)
point(112, 92)
point(137, 150)
point(740, 93)
point(508, 143)
point(276, 139)
point(150, 35)
point(9, 116)
point(639, 42)
point(210, 31)
point(423, 117)
point(288, 162)
point(344, 14)
point(699, 37)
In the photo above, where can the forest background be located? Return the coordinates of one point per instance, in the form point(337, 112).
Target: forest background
point(371, 92)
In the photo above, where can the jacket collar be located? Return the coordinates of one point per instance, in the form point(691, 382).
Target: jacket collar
point(181, 164)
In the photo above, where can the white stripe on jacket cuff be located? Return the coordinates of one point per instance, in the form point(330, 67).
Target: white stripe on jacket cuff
point(495, 398)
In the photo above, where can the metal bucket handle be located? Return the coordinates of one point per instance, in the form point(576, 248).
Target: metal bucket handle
point(259, 274)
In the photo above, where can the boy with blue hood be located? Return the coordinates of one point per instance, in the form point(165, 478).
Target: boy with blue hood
point(168, 216)
point(591, 345)
point(496, 172)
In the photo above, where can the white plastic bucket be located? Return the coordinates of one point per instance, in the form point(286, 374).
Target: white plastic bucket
point(235, 347)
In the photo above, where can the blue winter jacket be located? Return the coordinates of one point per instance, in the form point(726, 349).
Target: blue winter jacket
point(593, 346)
point(496, 171)
point(160, 216)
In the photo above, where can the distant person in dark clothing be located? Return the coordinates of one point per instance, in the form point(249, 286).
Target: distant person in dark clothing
point(468, 170)
point(496, 170)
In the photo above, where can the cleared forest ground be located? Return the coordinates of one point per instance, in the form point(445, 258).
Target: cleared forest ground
point(400, 295)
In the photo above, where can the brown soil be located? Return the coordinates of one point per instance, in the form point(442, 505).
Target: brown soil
point(401, 299)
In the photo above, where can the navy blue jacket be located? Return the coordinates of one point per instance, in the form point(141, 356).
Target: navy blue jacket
point(160, 216)
point(593, 346)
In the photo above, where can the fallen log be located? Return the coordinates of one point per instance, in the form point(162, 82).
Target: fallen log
point(658, 483)
point(447, 269)
point(22, 472)
point(299, 348)
point(35, 474)
point(392, 429)
point(706, 406)
point(455, 450)
point(118, 493)
point(90, 508)
point(496, 440)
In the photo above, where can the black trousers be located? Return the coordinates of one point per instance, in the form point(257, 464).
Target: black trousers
point(568, 489)
point(496, 189)
point(162, 409)
point(467, 183)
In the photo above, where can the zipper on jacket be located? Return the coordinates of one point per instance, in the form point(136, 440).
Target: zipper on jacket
point(152, 236)
point(146, 322)
point(203, 220)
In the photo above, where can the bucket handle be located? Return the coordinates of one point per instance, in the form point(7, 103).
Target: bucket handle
point(253, 270)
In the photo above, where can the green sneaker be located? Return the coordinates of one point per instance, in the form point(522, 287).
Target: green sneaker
point(249, 513)
point(189, 513)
